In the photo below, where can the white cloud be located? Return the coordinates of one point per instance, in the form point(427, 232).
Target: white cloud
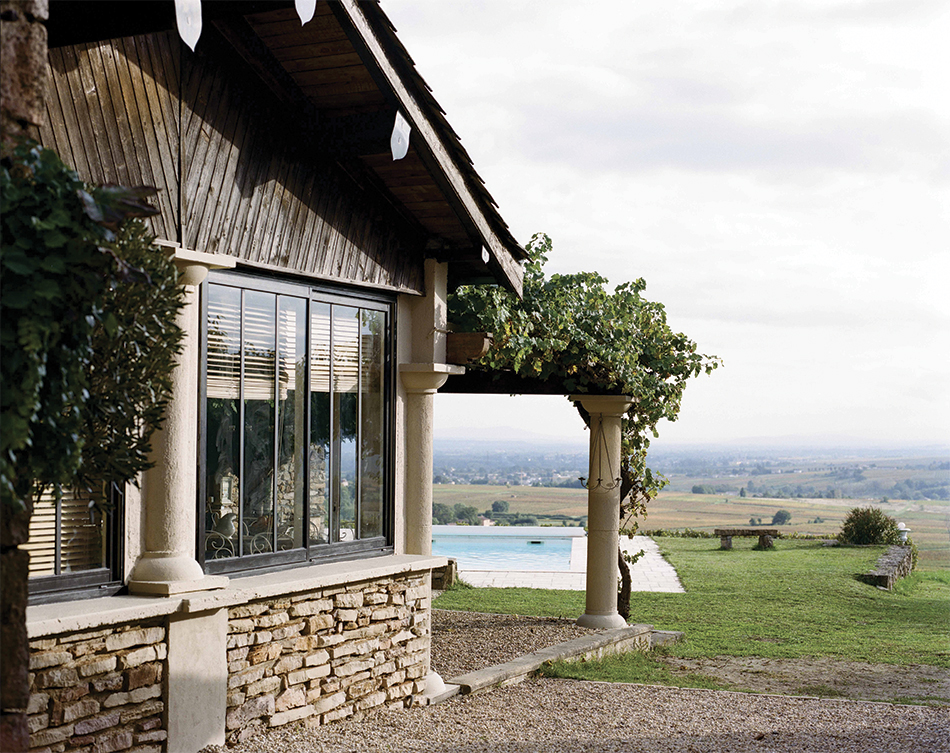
point(779, 172)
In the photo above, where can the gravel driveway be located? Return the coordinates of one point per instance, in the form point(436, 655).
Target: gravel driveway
point(567, 716)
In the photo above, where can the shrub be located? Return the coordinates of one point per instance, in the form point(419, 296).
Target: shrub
point(781, 517)
point(869, 525)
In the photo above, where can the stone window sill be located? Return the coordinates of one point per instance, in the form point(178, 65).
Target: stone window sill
point(91, 614)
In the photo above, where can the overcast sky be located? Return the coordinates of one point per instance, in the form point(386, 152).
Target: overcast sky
point(779, 172)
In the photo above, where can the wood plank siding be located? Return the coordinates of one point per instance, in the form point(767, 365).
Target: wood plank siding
point(234, 170)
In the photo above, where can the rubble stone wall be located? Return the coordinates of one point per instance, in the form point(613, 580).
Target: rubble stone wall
point(327, 654)
point(99, 690)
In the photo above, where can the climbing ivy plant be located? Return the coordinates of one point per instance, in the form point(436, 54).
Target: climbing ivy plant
point(573, 332)
point(88, 329)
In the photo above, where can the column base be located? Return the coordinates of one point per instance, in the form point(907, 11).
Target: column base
point(169, 574)
point(601, 621)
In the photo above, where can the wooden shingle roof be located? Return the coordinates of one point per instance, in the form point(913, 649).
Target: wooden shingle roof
point(347, 74)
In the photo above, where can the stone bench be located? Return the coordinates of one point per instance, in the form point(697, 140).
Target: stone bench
point(765, 536)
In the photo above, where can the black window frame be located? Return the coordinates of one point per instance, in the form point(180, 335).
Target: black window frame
point(308, 554)
point(94, 582)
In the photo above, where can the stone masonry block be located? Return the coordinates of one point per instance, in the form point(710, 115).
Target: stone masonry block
point(135, 696)
point(137, 657)
point(129, 638)
point(96, 724)
point(61, 677)
point(237, 640)
point(341, 713)
point(329, 702)
point(271, 620)
point(145, 674)
point(38, 702)
point(49, 659)
point(291, 698)
point(50, 737)
point(79, 710)
point(252, 709)
point(36, 722)
point(246, 610)
point(263, 653)
point(307, 608)
point(246, 677)
point(108, 683)
point(267, 685)
point(114, 741)
point(149, 708)
point(371, 701)
point(351, 668)
point(395, 678)
point(347, 615)
point(240, 626)
point(316, 658)
point(96, 666)
point(288, 664)
point(292, 715)
point(348, 601)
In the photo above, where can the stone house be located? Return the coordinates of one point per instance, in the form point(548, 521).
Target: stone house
point(275, 565)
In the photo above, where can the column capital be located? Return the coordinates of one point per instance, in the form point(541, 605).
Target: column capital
point(610, 405)
point(193, 265)
point(426, 378)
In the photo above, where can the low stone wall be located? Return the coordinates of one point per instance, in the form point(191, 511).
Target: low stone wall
point(327, 654)
point(896, 563)
point(99, 690)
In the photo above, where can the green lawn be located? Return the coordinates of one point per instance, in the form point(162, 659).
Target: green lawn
point(799, 600)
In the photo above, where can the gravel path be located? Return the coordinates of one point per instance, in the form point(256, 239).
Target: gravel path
point(566, 716)
point(465, 641)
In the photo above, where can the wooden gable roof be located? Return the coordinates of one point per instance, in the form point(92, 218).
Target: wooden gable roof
point(345, 75)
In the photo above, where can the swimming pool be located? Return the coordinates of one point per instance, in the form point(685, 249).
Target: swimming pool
point(530, 548)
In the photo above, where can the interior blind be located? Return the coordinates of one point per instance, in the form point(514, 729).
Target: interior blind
point(225, 337)
point(76, 543)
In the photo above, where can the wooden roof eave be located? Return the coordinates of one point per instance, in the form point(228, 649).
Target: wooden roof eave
point(502, 261)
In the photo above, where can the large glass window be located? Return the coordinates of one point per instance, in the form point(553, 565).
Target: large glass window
point(296, 424)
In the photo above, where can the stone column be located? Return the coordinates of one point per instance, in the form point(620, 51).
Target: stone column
point(168, 565)
point(603, 509)
point(421, 381)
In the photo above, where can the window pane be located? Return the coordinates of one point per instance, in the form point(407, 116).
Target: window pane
point(80, 539)
point(372, 330)
point(292, 359)
point(346, 360)
point(224, 389)
point(319, 422)
point(260, 365)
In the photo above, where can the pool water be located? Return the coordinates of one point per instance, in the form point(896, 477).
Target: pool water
point(524, 548)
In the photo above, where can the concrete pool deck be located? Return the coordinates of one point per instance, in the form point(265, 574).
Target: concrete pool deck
point(650, 573)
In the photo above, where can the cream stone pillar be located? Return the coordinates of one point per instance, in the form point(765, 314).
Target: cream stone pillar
point(168, 565)
point(603, 509)
point(421, 381)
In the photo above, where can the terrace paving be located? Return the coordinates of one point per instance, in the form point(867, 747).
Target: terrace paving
point(651, 573)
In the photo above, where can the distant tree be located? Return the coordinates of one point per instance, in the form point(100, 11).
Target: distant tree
point(442, 514)
point(781, 517)
point(742, 492)
point(752, 522)
point(499, 505)
point(465, 514)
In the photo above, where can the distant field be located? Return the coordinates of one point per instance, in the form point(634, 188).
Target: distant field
point(928, 521)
